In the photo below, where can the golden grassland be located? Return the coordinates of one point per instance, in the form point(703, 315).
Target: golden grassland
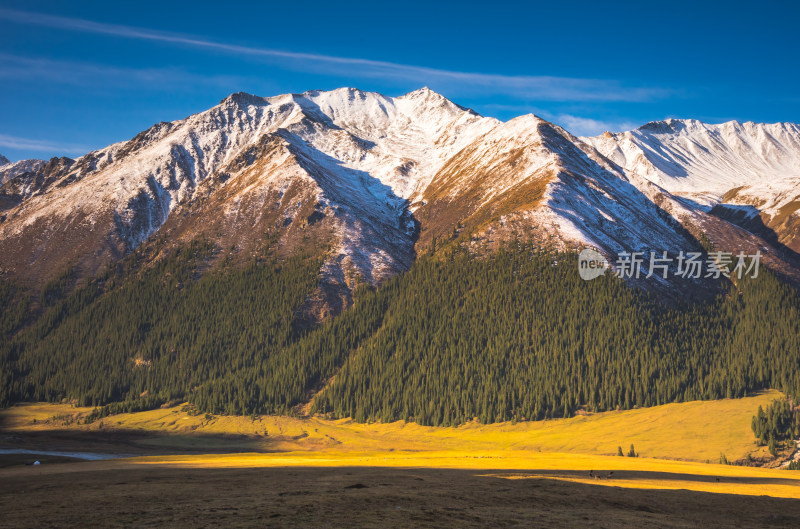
point(693, 431)
point(640, 473)
point(675, 443)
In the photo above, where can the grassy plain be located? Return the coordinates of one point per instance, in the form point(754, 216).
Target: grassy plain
point(378, 497)
point(695, 431)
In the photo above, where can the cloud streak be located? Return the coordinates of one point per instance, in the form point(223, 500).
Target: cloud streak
point(14, 67)
point(581, 126)
point(577, 125)
point(27, 144)
point(548, 88)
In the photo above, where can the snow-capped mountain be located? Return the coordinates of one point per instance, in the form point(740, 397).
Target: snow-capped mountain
point(742, 171)
point(367, 181)
point(529, 172)
point(349, 157)
point(9, 170)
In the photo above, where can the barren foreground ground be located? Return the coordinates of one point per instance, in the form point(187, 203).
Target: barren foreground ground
point(361, 497)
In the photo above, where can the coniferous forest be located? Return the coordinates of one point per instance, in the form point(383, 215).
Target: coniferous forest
point(513, 335)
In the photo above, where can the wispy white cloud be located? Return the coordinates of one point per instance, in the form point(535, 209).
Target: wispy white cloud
point(577, 125)
point(581, 126)
point(547, 88)
point(88, 74)
point(27, 144)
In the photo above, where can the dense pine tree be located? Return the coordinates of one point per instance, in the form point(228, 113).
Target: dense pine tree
point(515, 335)
point(779, 423)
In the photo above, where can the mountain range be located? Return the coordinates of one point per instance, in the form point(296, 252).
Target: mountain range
point(370, 182)
point(204, 260)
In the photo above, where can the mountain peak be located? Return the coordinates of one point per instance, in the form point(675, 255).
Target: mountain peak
point(423, 92)
point(431, 98)
point(525, 121)
point(4, 160)
point(671, 126)
point(242, 98)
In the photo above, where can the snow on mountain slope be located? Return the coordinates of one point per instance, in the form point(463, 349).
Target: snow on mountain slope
point(719, 167)
point(404, 140)
point(370, 151)
point(11, 170)
point(528, 175)
point(530, 178)
point(689, 156)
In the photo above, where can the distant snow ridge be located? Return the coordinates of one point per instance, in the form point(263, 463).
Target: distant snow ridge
point(719, 168)
point(13, 169)
point(694, 158)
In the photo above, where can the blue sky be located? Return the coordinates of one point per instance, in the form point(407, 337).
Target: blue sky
point(76, 76)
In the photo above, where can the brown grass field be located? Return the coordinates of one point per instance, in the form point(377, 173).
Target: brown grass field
point(207, 471)
point(362, 497)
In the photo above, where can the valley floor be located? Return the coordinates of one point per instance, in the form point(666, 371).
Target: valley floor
point(362, 497)
point(191, 470)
